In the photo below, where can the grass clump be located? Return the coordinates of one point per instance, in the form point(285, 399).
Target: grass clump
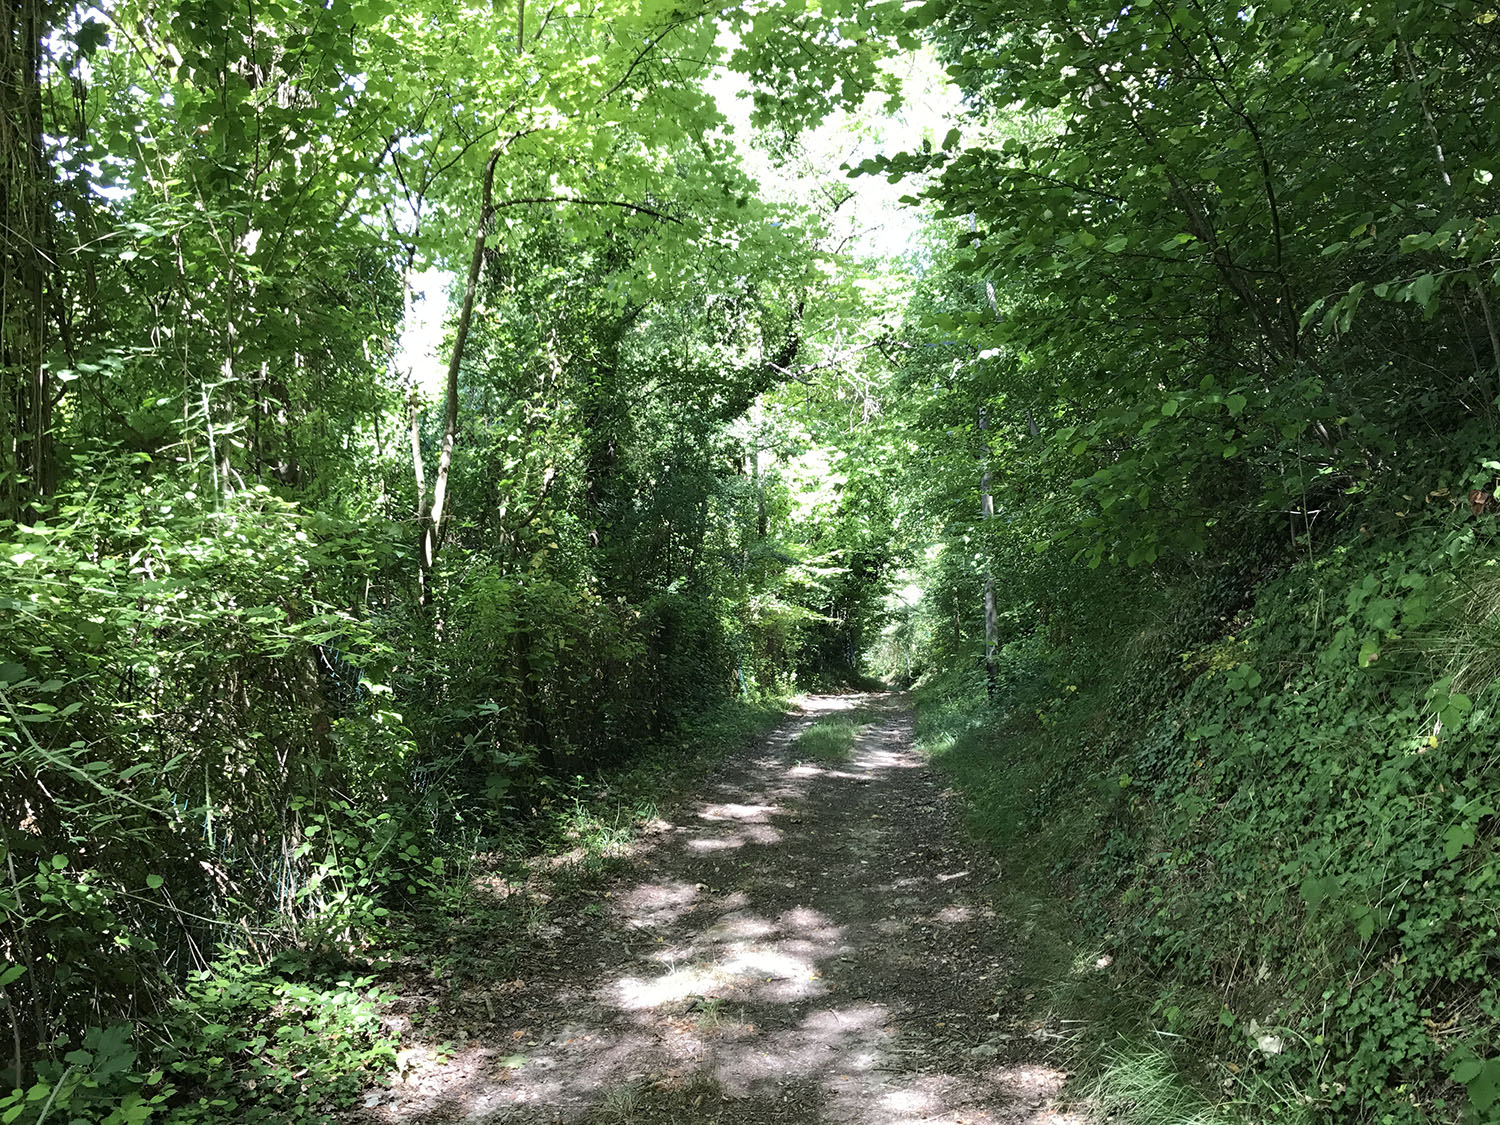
point(1142, 1086)
point(829, 740)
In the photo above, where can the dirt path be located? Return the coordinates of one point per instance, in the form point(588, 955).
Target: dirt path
point(805, 943)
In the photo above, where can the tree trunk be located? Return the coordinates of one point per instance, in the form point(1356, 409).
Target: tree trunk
point(26, 468)
point(991, 613)
point(432, 524)
point(761, 518)
point(419, 475)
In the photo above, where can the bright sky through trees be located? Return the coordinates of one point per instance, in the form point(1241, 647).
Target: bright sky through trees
point(874, 222)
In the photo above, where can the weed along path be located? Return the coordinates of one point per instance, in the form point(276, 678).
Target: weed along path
point(808, 940)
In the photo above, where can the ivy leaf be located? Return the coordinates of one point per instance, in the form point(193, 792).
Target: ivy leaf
point(1314, 890)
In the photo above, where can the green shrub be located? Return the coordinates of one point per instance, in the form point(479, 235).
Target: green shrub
point(94, 1083)
point(277, 1043)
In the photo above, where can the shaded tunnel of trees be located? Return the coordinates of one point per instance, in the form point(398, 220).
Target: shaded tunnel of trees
point(413, 415)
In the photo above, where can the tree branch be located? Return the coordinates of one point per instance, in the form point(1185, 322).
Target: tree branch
point(590, 203)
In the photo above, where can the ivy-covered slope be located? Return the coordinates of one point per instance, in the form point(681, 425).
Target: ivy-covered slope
point(1197, 398)
point(1268, 786)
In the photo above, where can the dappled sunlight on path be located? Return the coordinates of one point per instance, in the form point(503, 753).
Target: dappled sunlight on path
point(809, 942)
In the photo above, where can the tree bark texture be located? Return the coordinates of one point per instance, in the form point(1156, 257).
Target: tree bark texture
point(26, 393)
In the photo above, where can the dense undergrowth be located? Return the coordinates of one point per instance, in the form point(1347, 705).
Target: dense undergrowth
point(1245, 815)
point(389, 458)
point(272, 1031)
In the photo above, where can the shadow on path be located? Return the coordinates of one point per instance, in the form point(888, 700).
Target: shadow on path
point(808, 942)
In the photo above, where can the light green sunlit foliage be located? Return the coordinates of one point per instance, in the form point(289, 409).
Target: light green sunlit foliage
point(288, 633)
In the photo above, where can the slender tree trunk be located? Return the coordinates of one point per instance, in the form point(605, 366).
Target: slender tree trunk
point(26, 393)
point(761, 519)
point(432, 524)
point(419, 476)
point(991, 613)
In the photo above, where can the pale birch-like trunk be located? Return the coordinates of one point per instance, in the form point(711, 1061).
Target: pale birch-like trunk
point(436, 514)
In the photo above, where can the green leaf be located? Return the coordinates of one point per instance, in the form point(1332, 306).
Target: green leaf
point(91, 36)
point(1484, 1087)
point(1314, 890)
point(1422, 289)
point(1456, 839)
point(154, 882)
point(1467, 1070)
point(1310, 312)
